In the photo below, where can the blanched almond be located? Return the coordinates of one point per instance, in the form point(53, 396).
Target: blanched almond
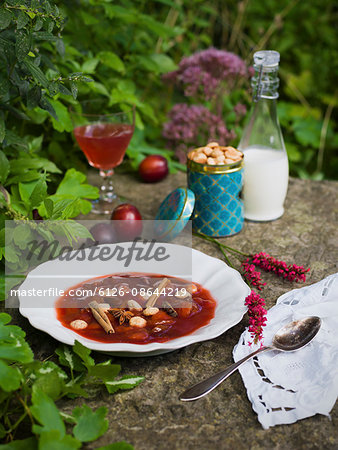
point(207, 151)
point(199, 150)
point(150, 311)
point(200, 158)
point(231, 151)
point(220, 160)
point(78, 324)
point(137, 322)
point(213, 144)
point(228, 161)
point(191, 154)
point(234, 158)
point(133, 304)
point(211, 161)
point(217, 152)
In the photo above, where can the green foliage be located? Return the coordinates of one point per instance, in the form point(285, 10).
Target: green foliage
point(125, 63)
point(29, 79)
point(304, 34)
point(90, 425)
point(27, 197)
point(29, 389)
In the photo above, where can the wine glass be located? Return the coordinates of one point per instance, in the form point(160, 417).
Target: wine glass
point(104, 139)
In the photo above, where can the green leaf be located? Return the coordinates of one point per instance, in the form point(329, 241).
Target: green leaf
point(32, 15)
point(13, 346)
point(44, 36)
point(64, 122)
point(22, 45)
point(4, 167)
point(105, 371)
point(53, 89)
point(99, 88)
point(46, 105)
point(69, 359)
point(83, 352)
point(38, 194)
point(20, 165)
point(90, 425)
point(163, 62)
point(33, 192)
point(158, 28)
point(22, 20)
point(5, 18)
point(73, 389)
point(307, 131)
point(29, 176)
point(50, 379)
point(36, 72)
point(60, 47)
point(46, 413)
point(124, 383)
point(54, 440)
point(294, 152)
point(89, 65)
point(22, 444)
point(71, 229)
point(18, 350)
point(4, 319)
point(64, 207)
point(111, 60)
point(35, 144)
point(63, 89)
point(21, 234)
point(10, 377)
point(38, 115)
point(12, 138)
point(50, 384)
point(73, 88)
point(73, 182)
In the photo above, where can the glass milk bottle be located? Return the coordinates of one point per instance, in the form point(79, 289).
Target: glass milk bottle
point(266, 167)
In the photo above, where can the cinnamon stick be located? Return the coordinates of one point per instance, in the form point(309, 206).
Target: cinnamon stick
point(101, 317)
point(153, 299)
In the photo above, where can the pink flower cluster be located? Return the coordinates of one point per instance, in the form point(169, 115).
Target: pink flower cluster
point(194, 125)
point(257, 316)
point(207, 77)
point(203, 72)
point(290, 272)
point(252, 275)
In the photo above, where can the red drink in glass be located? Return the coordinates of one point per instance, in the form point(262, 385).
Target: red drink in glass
point(104, 144)
point(104, 139)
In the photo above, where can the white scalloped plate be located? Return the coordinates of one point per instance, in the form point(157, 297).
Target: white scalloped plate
point(224, 283)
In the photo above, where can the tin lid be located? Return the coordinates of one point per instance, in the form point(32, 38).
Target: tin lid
point(174, 213)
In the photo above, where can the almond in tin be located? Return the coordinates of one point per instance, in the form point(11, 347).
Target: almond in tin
point(215, 154)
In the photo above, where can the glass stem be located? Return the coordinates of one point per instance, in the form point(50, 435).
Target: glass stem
point(107, 193)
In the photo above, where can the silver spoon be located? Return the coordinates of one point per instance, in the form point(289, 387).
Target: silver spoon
point(293, 336)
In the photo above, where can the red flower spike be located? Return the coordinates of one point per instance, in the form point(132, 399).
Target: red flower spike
point(257, 316)
point(280, 268)
point(252, 276)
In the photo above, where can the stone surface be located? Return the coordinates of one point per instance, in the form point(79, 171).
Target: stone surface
point(151, 416)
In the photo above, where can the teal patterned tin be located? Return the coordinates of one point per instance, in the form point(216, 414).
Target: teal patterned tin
point(218, 209)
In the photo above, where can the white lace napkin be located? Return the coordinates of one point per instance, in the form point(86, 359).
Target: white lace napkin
point(286, 387)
